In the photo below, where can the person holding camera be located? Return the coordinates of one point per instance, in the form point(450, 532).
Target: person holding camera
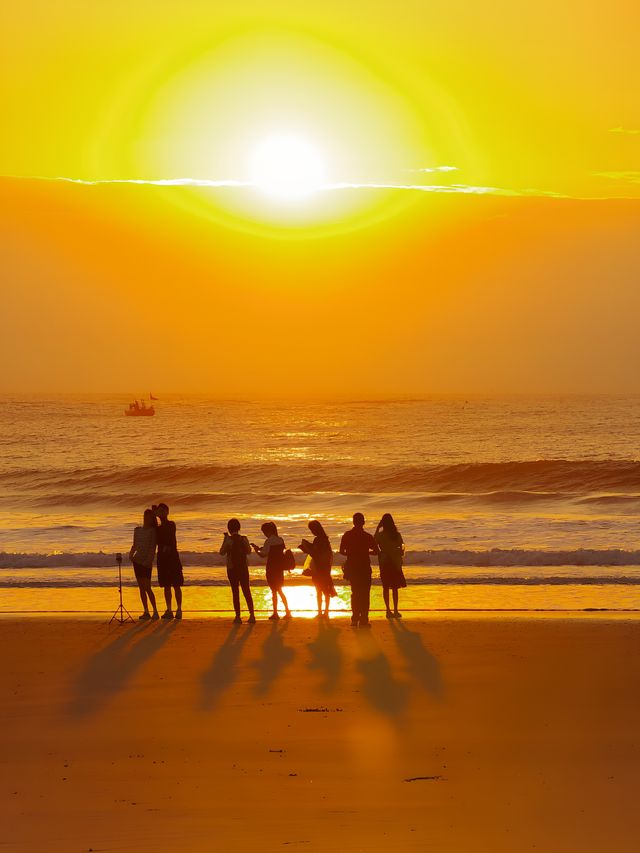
point(170, 576)
point(236, 548)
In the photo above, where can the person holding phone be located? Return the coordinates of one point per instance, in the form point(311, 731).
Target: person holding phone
point(273, 550)
point(236, 548)
point(321, 554)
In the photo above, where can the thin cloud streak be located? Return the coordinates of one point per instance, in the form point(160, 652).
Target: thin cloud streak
point(154, 182)
point(206, 183)
point(435, 169)
point(630, 131)
point(630, 176)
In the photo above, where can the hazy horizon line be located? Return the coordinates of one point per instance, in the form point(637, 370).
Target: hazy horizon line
point(365, 397)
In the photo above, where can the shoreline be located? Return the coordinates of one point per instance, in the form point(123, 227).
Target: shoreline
point(207, 592)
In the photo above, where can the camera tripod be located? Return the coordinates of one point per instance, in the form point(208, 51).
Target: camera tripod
point(121, 615)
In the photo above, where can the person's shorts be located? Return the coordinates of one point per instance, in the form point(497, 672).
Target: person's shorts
point(275, 578)
point(238, 577)
point(170, 570)
point(143, 573)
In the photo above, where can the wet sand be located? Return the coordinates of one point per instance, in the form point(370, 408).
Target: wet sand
point(426, 734)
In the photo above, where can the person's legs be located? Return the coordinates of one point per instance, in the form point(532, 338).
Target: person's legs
point(327, 599)
point(246, 591)
point(235, 595)
point(274, 601)
point(178, 592)
point(319, 600)
point(287, 612)
point(355, 602)
point(366, 600)
point(385, 595)
point(151, 595)
point(396, 612)
point(167, 597)
point(143, 594)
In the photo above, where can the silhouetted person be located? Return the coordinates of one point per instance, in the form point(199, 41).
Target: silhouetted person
point(236, 548)
point(143, 550)
point(169, 566)
point(321, 554)
point(391, 548)
point(273, 550)
point(357, 546)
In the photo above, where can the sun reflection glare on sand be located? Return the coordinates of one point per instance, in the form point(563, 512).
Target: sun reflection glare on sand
point(301, 598)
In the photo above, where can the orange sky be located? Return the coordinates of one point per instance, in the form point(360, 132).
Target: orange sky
point(517, 271)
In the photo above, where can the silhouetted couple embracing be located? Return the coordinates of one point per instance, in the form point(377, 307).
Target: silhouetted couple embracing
point(157, 532)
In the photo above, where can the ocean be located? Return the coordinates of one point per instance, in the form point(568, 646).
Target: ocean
point(522, 503)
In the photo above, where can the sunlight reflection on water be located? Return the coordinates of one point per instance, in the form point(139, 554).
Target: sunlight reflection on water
point(215, 601)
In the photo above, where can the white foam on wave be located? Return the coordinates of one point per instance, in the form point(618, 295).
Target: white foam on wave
point(495, 557)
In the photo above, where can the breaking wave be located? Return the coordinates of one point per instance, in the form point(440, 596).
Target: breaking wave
point(543, 476)
point(494, 558)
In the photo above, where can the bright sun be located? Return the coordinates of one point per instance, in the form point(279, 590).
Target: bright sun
point(286, 166)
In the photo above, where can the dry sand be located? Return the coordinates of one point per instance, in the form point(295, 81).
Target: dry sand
point(439, 734)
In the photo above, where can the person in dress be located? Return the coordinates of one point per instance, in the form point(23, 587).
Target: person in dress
point(170, 575)
point(273, 551)
point(358, 546)
point(236, 548)
point(143, 550)
point(391, 553)
point(321, 554)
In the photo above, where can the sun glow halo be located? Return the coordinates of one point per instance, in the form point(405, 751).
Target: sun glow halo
point(286, 166)
point(291, 129)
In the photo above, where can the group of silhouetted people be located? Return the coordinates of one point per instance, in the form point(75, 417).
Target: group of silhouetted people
point(158, 533)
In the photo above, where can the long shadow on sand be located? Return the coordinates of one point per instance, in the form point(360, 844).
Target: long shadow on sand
point(326, 655)
point(422, 664)
point(222, 672)
point(275, 657)
point(107, 672)
point(384, 692)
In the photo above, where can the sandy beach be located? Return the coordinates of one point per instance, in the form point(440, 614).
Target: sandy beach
point(434, 734)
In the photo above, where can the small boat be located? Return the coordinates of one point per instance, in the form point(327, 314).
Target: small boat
point(139, 410)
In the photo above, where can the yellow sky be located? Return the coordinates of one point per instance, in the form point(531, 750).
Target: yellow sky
point(530, 286)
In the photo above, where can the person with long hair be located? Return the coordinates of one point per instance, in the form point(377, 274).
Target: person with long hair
point(145, 540)
point(391, 553)
point(321, 554)
point(170, 575)
point(273, 550)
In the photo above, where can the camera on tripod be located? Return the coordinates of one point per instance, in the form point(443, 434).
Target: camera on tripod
point(121, 615)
